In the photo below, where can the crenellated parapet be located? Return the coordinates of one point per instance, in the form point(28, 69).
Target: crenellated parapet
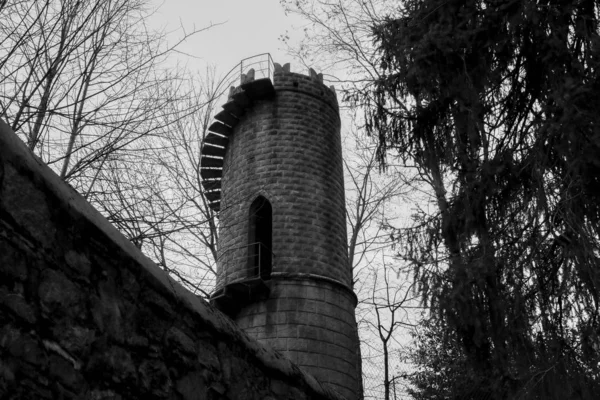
point(311, 84)
point(242, 98)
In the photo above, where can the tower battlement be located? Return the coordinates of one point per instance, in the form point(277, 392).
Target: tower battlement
point(311, 84)
point(283, 79)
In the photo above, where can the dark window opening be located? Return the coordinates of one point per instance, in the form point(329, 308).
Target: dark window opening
point(260, 238)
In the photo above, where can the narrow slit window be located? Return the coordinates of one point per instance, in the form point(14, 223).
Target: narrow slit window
point(260, 238)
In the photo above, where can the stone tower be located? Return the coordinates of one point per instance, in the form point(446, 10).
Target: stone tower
point(272, 167)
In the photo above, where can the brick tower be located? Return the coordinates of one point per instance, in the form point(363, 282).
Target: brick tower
point(272, 167)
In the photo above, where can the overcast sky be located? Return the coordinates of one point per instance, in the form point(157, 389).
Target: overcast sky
point(247, 28)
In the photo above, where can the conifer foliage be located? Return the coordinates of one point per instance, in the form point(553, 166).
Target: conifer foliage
point(495, 103)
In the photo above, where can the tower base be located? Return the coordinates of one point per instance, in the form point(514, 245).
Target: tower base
point(310, 320)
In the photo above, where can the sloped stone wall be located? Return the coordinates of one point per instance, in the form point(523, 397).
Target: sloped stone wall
point(83, 314)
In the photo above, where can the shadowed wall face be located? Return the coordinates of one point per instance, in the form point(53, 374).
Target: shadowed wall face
point(260, 238)
point(84, 315)
point(287, 150)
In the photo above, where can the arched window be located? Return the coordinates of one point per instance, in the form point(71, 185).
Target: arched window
point(260, 238)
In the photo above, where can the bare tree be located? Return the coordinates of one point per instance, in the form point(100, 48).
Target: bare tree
point(82, 79)
point(369, 195)
point(159, 200)
point(91, 90)
point(386, 301)
point(338, 38)
point(392, 299)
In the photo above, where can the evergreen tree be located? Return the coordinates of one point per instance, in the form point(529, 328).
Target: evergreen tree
point(443, 370)
point(495, 102)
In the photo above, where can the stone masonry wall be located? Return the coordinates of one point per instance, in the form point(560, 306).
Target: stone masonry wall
point(84, 315)
point(288, 149)
point(311, 322)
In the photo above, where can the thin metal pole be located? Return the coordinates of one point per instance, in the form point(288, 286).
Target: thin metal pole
point(259, 260)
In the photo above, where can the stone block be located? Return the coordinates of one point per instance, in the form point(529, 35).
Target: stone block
point(286, 331)
point(78, 262)
point(309, 332)
point(280, 343)
point(305, 358)
point(137, 342)
point(329, 336)
point(178, 344)
point(60, 392)
point(18, 306)
point(31, 387)
point(6, 386)
point(192, 386)
point(59, 295)
point(7, 376)
point(151, 325)
point(276, 318)
point(23, 198)
point(103, 394)
point(106, 313)
point(300, 344)
point(286, 304)
point(208, 356)
point(64, 372)
point(22, 346)
point(74, 339)
point(13, 263)
point(158, 303)
point(279, 388)
point(154, 378)
point(113, 364)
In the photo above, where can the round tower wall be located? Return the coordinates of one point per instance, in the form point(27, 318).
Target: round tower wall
point(312, 323)
point(287, 149)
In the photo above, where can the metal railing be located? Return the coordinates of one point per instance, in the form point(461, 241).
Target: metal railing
point(236, 264)
point(263, 68)
point(262, 64)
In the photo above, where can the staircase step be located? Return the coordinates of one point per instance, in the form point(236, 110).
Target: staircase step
point(242, 100)
point(211, 185)
point(219, 127)
point(234, 109)
point(226, 118)
point(215, 206)
point(217, 140)
point(259, 89)
point(208, 162)
point(213, 196)
point(209, 173)
point(208, 150)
